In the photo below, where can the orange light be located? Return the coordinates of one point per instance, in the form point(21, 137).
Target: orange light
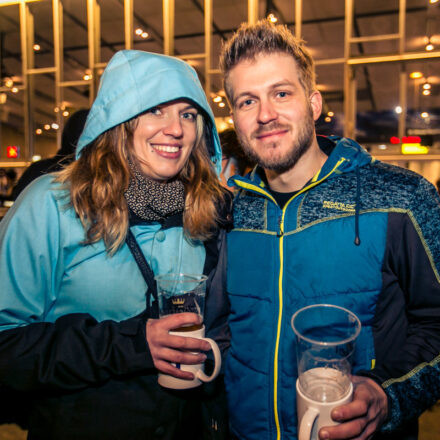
point(415, 75)
point(12, 151)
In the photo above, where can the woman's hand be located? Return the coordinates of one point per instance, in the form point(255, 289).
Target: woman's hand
point(166, 349)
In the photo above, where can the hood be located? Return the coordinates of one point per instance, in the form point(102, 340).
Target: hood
point(350, 151)
point(135, 81)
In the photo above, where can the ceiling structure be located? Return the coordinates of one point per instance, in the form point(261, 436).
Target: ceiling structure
point(377, 83)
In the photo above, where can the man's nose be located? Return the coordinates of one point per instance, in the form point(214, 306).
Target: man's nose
point(267, 112)
point(173, 126)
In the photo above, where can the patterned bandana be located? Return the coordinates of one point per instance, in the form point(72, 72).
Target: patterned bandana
point(154, 201)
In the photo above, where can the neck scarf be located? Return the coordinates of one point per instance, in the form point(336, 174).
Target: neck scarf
point(152, 200)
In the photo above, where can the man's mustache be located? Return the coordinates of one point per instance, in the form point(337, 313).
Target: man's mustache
point(275, 126)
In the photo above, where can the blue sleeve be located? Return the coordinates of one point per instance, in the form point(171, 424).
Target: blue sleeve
point(76, 350)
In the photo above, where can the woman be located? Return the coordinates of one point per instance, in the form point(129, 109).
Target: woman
point(77, 327)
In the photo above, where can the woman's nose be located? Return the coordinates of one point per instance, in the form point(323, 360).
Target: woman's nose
point(173, 126)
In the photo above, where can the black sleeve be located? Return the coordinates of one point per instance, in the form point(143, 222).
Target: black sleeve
point(408, 365)
point(73, 353)
point(217, 303)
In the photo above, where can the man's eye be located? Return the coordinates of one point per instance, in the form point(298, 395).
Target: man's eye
point(246, 103)
point(282, 94)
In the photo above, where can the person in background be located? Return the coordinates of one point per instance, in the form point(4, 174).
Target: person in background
point(320, 221)
point(65, 155)
point(234, 160)
point(78, 322)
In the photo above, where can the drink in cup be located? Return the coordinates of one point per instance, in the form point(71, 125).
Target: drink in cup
point(325, 341)
point(181, 293)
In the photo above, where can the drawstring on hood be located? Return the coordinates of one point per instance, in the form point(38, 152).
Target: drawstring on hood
point(357, 240)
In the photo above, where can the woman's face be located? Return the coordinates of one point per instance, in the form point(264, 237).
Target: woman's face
point(164, 138)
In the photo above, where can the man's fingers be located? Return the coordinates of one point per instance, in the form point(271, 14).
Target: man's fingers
point(358, 429)
point(354, 409)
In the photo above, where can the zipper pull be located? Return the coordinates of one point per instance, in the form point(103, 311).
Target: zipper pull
point(280, 225)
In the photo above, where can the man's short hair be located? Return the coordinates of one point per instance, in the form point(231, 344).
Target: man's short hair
point(265, 37)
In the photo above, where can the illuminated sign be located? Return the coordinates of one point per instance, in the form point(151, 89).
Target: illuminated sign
point(12, 152)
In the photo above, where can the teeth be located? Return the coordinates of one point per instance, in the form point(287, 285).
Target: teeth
point(166, 148)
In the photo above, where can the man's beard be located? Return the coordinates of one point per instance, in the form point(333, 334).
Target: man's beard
point(298, 148)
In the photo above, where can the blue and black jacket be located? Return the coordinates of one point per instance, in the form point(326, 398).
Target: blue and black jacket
point(361, 234)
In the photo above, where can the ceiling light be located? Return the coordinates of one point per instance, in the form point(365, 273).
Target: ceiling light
point(65, 113)
point(221, 104)
point(398, 109)
point(429, 47)
point(427, 86)
point(415, 75)
point(56, 109)
point(217, 98)
point(426, 92)
point(14, 90)
point(272, 18)
point(46, 126)
point(331, 114)
point(327, 119)
point(9, 82)
point(230, 121)
point(37, 47)
point(38, 131)
point(36, 158)
point(3, 98)
point(382, 147)
point(424, 115)
point(138, 31)
point(144, 35)
point(87, 77)
point(55, 126)
point(433, 1)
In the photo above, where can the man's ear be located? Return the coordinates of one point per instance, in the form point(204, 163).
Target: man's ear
point(316, 104)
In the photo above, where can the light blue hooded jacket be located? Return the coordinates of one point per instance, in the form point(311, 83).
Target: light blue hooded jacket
point(45, 271)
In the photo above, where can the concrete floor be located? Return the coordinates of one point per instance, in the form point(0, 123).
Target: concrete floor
point(429, 427)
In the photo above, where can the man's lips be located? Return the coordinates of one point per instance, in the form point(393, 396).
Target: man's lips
point(271, 134)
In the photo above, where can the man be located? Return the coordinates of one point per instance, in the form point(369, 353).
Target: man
point(320, 221)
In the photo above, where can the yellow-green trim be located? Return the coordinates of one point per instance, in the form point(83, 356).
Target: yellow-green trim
point(257, 231)
point(414, 371)
point(255, 188)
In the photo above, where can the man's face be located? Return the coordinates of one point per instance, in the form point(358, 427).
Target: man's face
point(273, 116)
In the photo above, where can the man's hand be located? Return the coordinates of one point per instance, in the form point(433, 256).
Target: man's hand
point(166, 348)
point(360, 418)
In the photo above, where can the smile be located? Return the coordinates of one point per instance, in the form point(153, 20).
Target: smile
point(167, 148)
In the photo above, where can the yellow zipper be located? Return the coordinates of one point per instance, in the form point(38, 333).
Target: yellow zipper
point(280, 290)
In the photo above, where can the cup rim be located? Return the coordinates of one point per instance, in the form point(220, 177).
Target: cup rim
point(174, 276)
point(322, 343)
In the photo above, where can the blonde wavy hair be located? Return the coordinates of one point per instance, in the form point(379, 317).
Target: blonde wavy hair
point(98, 180)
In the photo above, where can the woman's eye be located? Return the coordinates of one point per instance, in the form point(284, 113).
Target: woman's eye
point(154, 111)
point(190, 116)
